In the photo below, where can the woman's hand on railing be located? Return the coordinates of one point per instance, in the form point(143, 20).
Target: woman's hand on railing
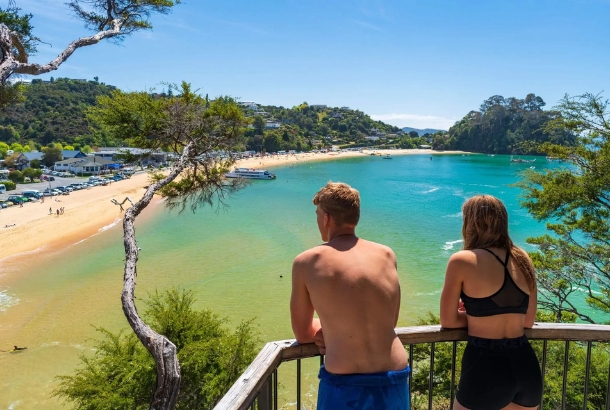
point(319, 341)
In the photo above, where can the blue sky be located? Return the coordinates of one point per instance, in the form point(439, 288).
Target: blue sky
point(409, 63)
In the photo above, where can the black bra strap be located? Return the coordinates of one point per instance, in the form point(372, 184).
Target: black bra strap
point(496, 256)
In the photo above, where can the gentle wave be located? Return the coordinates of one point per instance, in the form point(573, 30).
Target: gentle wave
point(13, 405)
point(430, 190)
point(449, 245)
point(102, 229)
point(436, 292)
point(6, 301)
point(456, 215)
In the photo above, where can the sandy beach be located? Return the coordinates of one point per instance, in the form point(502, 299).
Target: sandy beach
point(87, 211)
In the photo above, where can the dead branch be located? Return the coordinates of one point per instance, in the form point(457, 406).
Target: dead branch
point(114, 201)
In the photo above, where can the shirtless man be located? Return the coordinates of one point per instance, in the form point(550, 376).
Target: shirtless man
point(352, 285)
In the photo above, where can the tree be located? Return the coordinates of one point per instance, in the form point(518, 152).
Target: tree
point(121, 373)
point(15, 176)
point(86, 149)
point(259, 125)
point(108, 19)
point(196, 131)
point(11, 161)
point(69, 148)
point(32, 173)
point(4, 147)
point(51, 155)
point(16, 147)
point(35, 163)
point(574, 257)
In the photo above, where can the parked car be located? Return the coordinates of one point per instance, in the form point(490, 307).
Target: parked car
point(5, 204)
point(16, 199)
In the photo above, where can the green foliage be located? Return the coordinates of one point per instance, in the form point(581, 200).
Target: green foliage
point(10, 185)
point(16, 176)
point(32, 173)
point(4, 147)
point(207, 127)
point(507, 126)
point(98, 15)
point(304, 127)
point(555, 355)
point(573, 260)
point(35, 163)
point(121, 373)
point(52, 112)
point(51, 155)
point(20, 24)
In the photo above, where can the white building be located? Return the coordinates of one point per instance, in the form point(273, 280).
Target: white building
point(272, 124)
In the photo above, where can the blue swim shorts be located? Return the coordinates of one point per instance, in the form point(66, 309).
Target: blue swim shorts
point(373, 391)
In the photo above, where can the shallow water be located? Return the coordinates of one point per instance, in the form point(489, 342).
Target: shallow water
point(234, 258)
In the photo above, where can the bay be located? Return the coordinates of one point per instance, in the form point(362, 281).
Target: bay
point(238, 258)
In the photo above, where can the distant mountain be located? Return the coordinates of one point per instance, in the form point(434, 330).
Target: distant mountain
point(421, 132)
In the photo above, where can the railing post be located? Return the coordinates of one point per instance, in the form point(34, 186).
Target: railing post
point(264, 397)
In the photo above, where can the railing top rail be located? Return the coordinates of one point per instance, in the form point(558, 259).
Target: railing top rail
point(251, 381)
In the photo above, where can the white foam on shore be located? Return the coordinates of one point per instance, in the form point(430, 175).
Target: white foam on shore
point(6, 301)
point(102, 229)
point(456, 215)
point(13, 405)
point(113, 224)
point(449, 245)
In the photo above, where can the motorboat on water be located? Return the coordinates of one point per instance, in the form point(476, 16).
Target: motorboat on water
point(387, 156)
point(520, 161)
point(250, 173)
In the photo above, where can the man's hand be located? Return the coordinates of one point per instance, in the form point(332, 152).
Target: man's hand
point(319, 341)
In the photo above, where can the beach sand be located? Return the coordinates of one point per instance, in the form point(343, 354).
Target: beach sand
point(88, 211)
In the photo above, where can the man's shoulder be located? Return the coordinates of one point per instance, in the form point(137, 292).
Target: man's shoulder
point(378, 247)
point(310, 255)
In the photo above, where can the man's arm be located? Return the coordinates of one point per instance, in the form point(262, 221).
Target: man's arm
point(304, 325)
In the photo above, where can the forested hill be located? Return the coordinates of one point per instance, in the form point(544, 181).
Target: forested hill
point(54, 112)
point(503, 126)
point(311, 126)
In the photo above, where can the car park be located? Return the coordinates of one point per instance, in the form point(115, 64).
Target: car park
point(5, 204)
point(16, 199)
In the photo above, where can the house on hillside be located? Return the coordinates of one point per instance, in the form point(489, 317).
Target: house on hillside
point(319, 106)
point(87, 165)
point(25, 159)
point(270, 124)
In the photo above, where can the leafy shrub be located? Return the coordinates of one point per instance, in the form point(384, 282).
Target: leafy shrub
point(16, 176)
point(121, 374)
point(10, 185)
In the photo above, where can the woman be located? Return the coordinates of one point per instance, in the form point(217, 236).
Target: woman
point(490, 288)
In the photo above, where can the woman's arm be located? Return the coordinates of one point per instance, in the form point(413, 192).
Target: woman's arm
point(530, 316)
point(451, 317)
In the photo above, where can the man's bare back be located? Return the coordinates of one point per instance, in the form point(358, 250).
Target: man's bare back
point(353, 286)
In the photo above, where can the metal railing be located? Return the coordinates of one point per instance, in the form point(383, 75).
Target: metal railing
point(258, 386)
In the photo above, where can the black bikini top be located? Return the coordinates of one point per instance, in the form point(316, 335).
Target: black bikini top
point(508, 299)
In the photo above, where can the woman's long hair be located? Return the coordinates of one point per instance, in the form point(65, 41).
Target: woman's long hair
point(486, 226)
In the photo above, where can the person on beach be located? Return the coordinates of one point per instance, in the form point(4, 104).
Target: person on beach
point(490, 288)
point(57, 211)
point(352, 284)
point(50, 211)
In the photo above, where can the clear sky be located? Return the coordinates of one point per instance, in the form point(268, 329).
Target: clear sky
point(420, 63)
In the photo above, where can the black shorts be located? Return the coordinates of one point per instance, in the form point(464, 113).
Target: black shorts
point(497, 372)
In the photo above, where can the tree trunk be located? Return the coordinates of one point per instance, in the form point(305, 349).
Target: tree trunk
point(161, 348)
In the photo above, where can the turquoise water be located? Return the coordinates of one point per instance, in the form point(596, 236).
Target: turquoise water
point(234, 258)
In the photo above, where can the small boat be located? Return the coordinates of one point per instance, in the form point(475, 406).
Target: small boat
point(387, 156)
point(250, 173)
point(522, 161)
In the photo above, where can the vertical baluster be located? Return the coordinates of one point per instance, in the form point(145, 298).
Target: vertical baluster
point(410, 375)
point(451, 394)
point(543, 371)
point(430, 377)
point(298, 384)
point(587, 371)
point(275, 389)
point(565, 375)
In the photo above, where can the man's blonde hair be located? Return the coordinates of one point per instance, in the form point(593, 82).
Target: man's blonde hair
point(340, 201)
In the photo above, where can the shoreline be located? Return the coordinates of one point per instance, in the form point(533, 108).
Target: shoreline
point(87, 212)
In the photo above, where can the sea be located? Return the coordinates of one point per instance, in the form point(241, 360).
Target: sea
point(237, 256)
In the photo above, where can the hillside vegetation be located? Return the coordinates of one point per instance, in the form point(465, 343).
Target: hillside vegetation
point(55, 112)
